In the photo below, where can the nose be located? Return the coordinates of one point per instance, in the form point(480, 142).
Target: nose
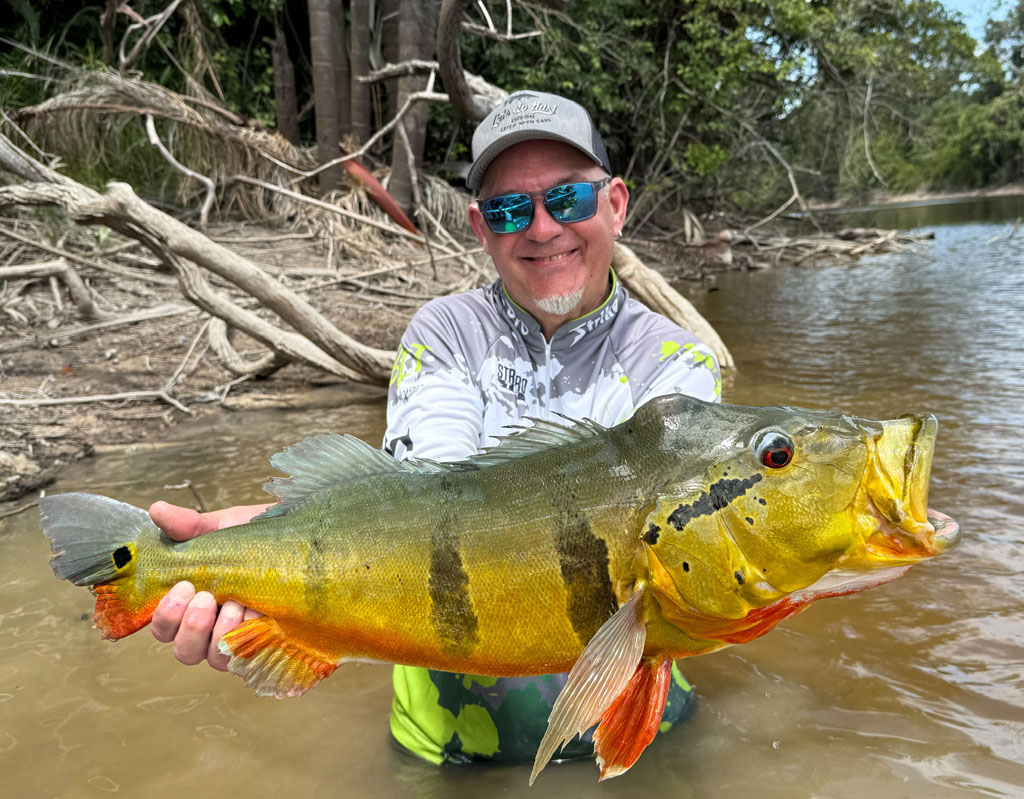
point(544, 227)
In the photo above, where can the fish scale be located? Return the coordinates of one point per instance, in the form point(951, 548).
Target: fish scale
point(613, 551)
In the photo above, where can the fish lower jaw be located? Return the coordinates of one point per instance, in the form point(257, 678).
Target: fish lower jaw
point(896, 536)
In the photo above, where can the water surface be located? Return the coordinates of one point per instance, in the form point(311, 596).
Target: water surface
point(914, 689)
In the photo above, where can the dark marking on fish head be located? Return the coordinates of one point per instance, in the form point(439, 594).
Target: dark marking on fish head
point(122, 557)
point(739, 576)
point(686, 566)
point(749, 520)
point(718, 496)
point(762, 500)
point(651, 535)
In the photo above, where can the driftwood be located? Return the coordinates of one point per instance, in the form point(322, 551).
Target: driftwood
point(655, 292)
point(317, 342)
point(62, 269)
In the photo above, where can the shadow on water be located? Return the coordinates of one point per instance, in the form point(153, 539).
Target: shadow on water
point(914, 689)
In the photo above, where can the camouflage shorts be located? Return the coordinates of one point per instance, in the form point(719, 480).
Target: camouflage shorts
point(458, 718)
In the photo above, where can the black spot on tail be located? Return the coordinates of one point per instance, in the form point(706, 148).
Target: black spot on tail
point(122, 557)
point(717, 497)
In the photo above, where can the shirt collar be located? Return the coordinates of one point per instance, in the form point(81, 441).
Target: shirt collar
point(571, 333)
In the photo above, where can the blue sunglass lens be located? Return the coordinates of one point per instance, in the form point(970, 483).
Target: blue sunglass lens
point(572, 202)
point(511, 213)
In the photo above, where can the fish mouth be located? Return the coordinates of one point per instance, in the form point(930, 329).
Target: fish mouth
point(899, 526)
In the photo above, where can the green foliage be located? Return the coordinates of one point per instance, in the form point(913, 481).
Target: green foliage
point(697, 100)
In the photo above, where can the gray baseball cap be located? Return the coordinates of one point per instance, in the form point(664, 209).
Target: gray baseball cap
point(533, 115)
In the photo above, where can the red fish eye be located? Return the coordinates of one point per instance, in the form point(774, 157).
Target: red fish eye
point(774, 449)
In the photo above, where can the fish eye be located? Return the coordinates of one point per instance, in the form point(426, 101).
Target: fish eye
point(773, 449)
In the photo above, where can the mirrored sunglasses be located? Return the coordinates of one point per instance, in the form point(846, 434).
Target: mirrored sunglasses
point(570, 202)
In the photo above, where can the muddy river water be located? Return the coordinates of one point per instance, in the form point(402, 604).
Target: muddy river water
point(914, 689)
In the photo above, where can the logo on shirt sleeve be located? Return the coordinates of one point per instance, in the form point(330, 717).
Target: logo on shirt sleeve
point(409, 360)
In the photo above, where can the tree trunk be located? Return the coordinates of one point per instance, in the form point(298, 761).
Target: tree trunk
point(286, 102)
point(359, 49)
point(415, 40)
point(108, 23)
point(390, 10)
point(325, 93)
point(341, 75)
point(449, 60)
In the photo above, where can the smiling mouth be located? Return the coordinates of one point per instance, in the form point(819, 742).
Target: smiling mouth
point(549, 259)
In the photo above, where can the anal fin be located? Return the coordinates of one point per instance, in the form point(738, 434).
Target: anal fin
point(278, 658)
point(115, 615)
point(632, 720)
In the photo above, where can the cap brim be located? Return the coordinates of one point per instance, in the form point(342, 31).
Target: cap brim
point(486, 158)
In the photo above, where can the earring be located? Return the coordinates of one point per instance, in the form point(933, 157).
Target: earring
point(618, 233)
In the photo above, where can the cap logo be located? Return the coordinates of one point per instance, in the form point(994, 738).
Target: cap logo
point(521, 112)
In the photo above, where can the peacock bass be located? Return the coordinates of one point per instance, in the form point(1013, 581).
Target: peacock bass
point(610, 551)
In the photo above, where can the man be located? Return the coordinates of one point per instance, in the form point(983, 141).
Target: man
point(556, 334)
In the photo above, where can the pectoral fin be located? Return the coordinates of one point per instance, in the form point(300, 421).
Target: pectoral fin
point(603, 671)
point(278, 659)
point(632, 721)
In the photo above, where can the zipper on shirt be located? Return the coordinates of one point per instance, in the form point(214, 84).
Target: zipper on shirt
point(547, 380)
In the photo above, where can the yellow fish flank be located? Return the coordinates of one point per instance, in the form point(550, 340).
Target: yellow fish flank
point(610, 551)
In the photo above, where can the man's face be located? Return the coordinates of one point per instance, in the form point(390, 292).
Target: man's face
point(550, 261)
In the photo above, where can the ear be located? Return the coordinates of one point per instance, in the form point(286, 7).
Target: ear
point(618, 196)
point(476, 221)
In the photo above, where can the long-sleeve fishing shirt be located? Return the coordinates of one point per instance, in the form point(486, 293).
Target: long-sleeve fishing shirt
point(468, 366)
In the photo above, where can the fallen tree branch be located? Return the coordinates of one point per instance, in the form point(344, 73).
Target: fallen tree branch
point(120, 271)
point(329, 207)
point(159, 394)
point(230, 358)
point(121, 209)
point(152, 25)
point(204, 211)
point(655, 292)
point(412, 99)
point(292, 346)
point(62, 269)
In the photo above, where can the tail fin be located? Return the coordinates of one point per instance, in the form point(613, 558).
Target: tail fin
point(93, 543)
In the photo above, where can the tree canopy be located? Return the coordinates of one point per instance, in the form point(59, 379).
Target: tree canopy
point(704, 104)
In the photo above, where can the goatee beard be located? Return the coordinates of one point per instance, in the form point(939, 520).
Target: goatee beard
point(560, 304)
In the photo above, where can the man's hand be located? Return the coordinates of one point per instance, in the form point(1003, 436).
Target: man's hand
point(189, 619)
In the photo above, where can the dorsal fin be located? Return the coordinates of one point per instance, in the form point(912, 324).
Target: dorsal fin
point(541, 435)
point(326, 459)
point(321, 461)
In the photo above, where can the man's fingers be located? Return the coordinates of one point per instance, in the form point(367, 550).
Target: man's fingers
point(180, 523)
point(231, 615)
point(193, 639)
point(170, 611)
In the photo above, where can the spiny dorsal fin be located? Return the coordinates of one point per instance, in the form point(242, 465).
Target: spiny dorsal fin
point(327, 459)
point(541, 435)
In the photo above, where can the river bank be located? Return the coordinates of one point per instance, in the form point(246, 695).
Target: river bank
point(888, 200)
point(125, 359)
